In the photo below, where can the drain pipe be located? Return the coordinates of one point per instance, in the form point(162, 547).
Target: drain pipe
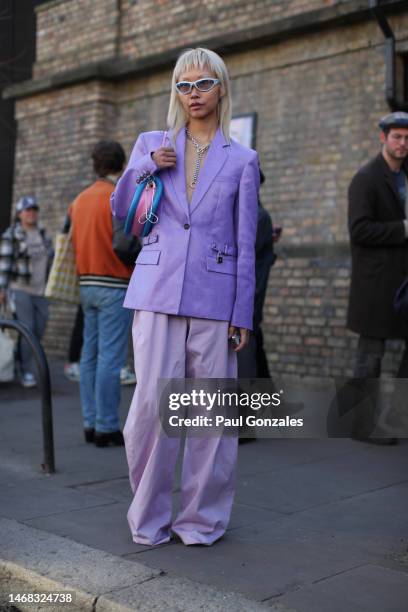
point(390, 79)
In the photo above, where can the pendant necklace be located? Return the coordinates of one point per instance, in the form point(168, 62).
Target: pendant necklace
point(200, 151)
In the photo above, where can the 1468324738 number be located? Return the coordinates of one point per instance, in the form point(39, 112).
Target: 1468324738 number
point(63, 597)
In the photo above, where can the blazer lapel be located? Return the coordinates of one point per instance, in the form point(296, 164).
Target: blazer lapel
point(177, 174)
point(214, 161)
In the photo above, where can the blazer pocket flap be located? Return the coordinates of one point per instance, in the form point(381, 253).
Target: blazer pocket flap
point(150, 239)
point(226, 266)
point(148, 257)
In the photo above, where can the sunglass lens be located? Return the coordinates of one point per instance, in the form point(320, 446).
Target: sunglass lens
point(205, 84)
point(183, 87)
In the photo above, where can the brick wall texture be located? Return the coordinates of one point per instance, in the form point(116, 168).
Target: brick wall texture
point(318, 97)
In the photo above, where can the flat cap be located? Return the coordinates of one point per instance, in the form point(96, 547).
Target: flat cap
point(394, 120)
point(26, 202)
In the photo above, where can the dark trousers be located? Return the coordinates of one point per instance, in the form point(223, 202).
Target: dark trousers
point(252, 361)
point(261, 360)
point(32, 310)
point(367, 371)
point(75, 345)
point(370, 352)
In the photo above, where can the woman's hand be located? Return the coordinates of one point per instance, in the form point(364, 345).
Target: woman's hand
point(165, 157)
point(244, 336)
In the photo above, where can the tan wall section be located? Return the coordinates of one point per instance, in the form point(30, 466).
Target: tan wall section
point(74, 32)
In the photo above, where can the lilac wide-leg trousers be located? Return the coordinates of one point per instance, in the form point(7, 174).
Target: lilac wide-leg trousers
point(168, 346)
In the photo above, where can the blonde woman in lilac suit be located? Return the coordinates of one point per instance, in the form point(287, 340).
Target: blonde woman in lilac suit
point(192, 290)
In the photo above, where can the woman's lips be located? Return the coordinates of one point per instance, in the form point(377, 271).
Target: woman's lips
point(196, 105)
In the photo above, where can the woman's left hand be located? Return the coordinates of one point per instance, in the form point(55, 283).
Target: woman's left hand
point(242, 333)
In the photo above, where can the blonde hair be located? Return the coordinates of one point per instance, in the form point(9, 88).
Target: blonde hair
point(200, 58)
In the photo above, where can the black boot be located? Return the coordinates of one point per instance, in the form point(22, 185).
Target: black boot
point(114, 438)
point(89, 434)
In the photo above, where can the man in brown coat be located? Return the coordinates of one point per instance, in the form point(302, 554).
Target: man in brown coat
point(378, 226)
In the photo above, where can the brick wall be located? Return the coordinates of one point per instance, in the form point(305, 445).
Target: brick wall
point(74, 32)
point(318, 98)
point(55, 134)
point(182, 23)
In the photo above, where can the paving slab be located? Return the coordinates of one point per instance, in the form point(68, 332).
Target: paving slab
point(382, 513)
point(298, 487)
point(268, 455)
point(33, 560)
point(102, 527)
point(87, 524)
point(363, 589)
point(117, 489)
point(260, 561)
point(34, 499)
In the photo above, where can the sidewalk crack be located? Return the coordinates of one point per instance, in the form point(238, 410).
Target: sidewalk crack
point(158, 575)
point(298, 587)
point(349, 569)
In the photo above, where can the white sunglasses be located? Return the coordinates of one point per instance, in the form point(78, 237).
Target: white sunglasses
point(185, 87)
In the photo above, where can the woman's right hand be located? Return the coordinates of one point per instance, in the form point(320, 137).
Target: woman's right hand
point(165, 157)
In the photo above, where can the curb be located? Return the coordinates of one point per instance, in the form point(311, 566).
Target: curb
point(36, 561)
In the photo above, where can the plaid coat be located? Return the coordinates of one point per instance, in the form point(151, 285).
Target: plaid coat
point(14, 258)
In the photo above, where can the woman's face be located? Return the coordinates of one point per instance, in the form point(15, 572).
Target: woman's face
point(199, 104)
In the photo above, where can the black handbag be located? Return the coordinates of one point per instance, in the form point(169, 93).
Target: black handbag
point(127, 248)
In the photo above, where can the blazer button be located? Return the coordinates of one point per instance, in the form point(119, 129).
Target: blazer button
point(186, 226)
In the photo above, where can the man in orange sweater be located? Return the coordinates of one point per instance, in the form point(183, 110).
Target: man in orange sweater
point(103, 280)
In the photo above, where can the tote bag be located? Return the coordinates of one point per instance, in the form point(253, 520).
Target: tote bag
point(6, 357)
point(63, 281)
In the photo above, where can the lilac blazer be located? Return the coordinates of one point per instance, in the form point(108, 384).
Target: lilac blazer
point(199, 259)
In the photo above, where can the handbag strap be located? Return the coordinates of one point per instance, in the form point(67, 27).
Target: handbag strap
point(164, 138)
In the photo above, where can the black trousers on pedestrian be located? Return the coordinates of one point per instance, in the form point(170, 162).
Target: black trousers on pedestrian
point(367, 371)
point(75, 345)
point(370, 352)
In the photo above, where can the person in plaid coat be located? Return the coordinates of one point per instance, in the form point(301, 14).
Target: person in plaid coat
point(26, 254)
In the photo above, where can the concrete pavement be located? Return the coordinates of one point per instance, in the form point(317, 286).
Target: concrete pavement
point(317, 525)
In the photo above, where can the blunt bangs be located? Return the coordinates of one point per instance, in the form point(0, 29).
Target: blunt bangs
point(198, 59)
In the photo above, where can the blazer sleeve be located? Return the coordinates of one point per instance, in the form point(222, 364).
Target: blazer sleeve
point(139, 166)
point(363, 227)
point(246, 215)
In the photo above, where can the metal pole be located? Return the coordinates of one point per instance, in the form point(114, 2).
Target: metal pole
point(45, 387)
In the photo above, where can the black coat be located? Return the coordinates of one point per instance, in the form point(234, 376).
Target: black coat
point(379, 252)
point(265, 258)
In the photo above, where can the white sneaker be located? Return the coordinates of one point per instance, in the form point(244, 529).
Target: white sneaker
point(71, 371)
point(127, 376)
point(28, 380)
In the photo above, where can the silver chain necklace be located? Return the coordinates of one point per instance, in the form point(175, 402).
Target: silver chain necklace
point(200, 151)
